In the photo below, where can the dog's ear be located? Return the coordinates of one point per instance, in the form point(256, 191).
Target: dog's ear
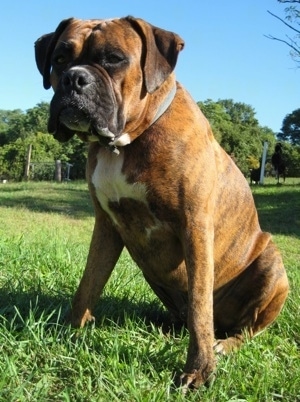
point(162, 49)
point(44, 47)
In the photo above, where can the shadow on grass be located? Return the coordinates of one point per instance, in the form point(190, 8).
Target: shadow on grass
point(28, 315)
point(278, 205)
point(278, 208)
point(19, 307)
point(52, 198)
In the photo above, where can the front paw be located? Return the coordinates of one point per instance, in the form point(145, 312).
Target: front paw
point(78, 321)
point(196, 378)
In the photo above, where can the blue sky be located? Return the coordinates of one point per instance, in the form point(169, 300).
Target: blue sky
point(226, 55)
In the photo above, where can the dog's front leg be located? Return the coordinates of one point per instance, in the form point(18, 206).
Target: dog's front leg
point(198, 243)
point(105, 249)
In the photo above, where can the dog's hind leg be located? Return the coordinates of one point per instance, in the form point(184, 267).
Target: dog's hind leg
point(252, 301)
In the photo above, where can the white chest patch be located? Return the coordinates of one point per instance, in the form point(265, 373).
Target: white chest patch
point(111, 184)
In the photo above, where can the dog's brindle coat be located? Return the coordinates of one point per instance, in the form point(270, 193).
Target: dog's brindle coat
point(161, 186)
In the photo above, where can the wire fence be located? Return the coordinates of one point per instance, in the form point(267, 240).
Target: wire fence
point(43, 171)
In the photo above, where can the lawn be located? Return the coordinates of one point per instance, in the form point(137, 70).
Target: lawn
point(128, 355)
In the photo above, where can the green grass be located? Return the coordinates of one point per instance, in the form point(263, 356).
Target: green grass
point(127, 355)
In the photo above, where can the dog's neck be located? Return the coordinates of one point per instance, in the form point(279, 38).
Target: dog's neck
point(127, 138)
point(165, 104)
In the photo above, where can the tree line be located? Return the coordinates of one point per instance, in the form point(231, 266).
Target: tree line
point(234, 124)
point(20, 129)
point(240, 134)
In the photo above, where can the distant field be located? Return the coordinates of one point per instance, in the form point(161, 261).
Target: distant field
point(45, 230)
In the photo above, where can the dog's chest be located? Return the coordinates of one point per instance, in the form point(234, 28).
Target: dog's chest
point(150, 241)
point(125, 203)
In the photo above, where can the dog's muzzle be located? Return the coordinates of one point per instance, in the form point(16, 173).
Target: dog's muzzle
point(84, 103)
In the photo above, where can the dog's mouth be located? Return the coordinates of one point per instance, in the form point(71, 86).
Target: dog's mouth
point(71, 121)
point(68, 119)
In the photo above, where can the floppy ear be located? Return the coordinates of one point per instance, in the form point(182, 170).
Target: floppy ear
point(44, 47)
point(161, 52)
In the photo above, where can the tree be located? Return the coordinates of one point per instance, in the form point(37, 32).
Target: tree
point(292, 21)
point(10, 125)
point(237, 130)
point(17, 124)
point(217, 116)
point(239, 113)
point(18, 129)
point(36, 119)
point(290, 130)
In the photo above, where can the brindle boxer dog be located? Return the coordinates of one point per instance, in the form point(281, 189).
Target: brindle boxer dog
point(161, 186)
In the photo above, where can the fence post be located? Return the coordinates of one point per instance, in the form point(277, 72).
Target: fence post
point(263, 163)
point(27, 164)
point(58, 170)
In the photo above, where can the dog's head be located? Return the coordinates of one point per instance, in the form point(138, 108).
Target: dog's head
point(105, 74)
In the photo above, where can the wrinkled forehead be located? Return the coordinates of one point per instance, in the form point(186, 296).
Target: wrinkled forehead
point(86, 27)
point(83, 33)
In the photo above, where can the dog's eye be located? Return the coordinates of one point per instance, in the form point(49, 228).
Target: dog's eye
point(59, 60)
point(109, 57)
point(114, 58)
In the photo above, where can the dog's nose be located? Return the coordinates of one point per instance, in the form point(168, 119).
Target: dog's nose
point(76, 79)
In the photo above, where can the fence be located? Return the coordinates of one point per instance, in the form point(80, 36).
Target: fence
point(58, 171)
